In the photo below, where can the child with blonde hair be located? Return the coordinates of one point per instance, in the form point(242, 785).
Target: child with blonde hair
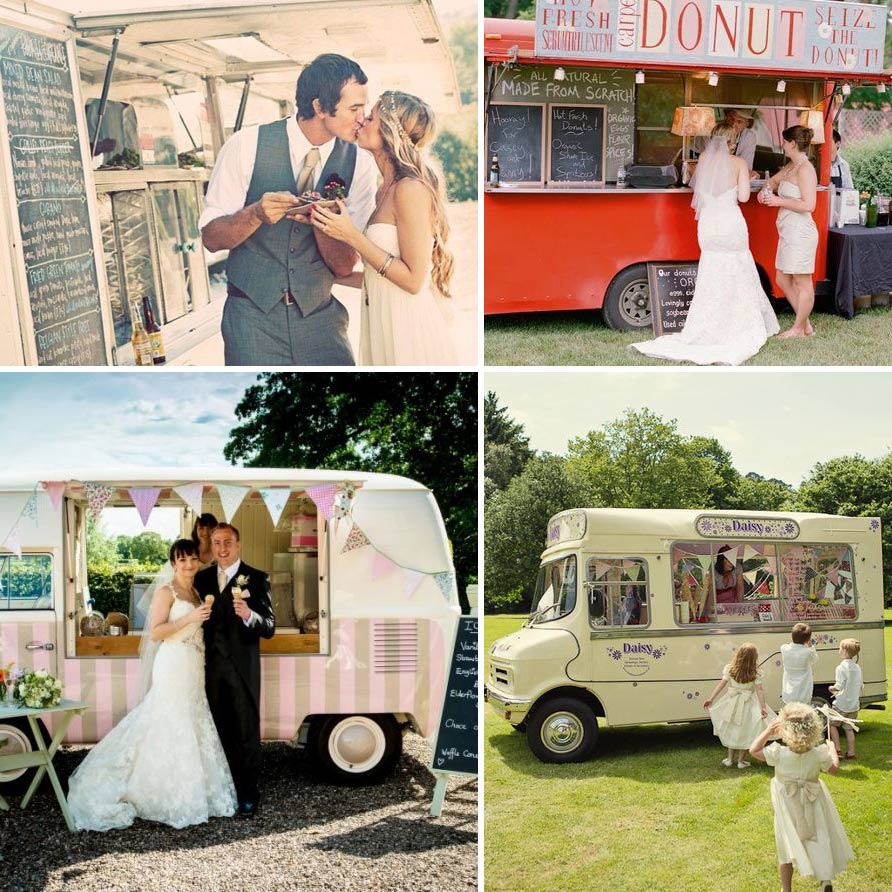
point(847, 693)
point(809, 834)
point(741, 714)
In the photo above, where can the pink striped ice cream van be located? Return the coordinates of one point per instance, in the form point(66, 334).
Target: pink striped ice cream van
point(362, 586)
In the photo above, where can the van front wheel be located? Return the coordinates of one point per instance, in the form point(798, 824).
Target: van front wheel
point(562, 730)
point(16, 738)
point(357, 749)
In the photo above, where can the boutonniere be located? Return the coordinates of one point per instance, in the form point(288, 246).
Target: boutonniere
point(241, 580)
point(334, 187)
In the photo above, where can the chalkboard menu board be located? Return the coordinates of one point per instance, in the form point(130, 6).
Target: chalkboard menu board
point(576, 144)
point(671, 291)
point(514, 133)
point(455, 749)
point(51, 198)
point(613, 88)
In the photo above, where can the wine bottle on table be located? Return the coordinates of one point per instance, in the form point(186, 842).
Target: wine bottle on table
point(153, 329)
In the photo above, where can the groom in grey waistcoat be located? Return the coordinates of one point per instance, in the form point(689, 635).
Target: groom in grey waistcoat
point(279, 306)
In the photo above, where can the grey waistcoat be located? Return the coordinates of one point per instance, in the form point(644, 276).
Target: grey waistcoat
point(284, 256)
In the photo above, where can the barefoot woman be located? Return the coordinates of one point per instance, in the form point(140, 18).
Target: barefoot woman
point(796, 185)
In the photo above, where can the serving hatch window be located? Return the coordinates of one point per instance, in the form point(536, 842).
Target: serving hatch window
point(555, 592)
point(616, 590)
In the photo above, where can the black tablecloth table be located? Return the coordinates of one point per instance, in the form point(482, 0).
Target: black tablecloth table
point(859, 261)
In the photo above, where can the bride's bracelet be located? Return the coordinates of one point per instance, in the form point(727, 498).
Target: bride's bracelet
point(388, 260)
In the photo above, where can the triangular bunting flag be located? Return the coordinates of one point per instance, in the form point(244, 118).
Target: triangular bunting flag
point(191, 494)
point(13, 543)
point(809, 574)
point(97, 495)
point(275, 498)
point(444, 581)
point(731, 554)
point(144, 500)
point(356, 539)
point(750, 576)
point(411, 581)
point(30, 509)
point(231, 497)
point(381, 565)
point(343, 503)
point(54, 489)
point(833, 575)
point(705, 560)
point(602, 568)
point(749, 553)
point(323, 497)
point(638, 572)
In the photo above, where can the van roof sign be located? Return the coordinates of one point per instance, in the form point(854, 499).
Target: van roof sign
point(715, 526)
point(565, 526)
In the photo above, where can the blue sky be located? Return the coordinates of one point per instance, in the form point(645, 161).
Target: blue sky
point(776, 423)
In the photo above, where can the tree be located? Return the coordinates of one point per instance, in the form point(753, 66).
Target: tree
point(463, 43)
point(100, 547)
point(505, 446)
point(727, 477)
point(514, 529)
point(856, 487)
point(146, 548)
point(421, 425)
point(509, 9)
point(755, 493)
point(641, 461)
point(459, 160)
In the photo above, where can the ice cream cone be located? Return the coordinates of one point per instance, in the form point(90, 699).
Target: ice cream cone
point(209, 600)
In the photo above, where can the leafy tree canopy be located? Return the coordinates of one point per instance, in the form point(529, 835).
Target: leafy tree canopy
point(506, 447)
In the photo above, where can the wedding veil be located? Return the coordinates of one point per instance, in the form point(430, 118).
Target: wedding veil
point(148, 648)
point(714, 174)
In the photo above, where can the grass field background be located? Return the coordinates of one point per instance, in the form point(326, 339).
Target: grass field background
point(582, 338)
point(654, 810)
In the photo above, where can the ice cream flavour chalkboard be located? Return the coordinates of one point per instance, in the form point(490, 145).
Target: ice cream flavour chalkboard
point(455, 749)
point(671, 291)
point(51, 199)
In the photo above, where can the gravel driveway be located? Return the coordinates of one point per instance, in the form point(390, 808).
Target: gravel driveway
point(306, 836)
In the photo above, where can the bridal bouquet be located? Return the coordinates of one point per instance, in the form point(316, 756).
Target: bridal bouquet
point(38, 690)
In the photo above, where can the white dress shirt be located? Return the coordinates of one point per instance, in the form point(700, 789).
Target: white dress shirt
point(799, 680)
point(228, 188)
point(230, 572)
point(840, 168)
point(848, 687)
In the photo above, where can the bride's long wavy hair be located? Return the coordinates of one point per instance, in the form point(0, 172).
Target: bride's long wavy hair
point(407, 126)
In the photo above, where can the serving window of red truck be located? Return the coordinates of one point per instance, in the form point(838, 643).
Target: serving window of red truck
point(594, 88)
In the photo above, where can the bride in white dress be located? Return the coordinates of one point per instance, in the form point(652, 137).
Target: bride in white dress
point(163, 761)
point(730, 316)
point(406, 312)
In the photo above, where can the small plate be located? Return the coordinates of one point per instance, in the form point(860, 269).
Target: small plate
point(305, 206)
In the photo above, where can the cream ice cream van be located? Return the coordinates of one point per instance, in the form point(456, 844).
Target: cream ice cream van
point(362, 586)
point(636, 612)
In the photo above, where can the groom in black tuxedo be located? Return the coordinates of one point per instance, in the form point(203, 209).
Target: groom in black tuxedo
point(242, 614)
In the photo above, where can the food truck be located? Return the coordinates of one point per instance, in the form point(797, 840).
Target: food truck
point(630, 623)
point(111, 125)
point(362, 585)
point(588, 90)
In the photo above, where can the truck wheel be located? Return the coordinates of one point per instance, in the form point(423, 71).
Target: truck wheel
point(18, 737)
point(627, 302)
point(562, 730)
point(356, 749)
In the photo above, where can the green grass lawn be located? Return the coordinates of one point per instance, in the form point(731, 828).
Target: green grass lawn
point(656, 811)
point(582, 338)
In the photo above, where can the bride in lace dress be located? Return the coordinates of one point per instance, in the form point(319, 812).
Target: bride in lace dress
point(163, 761)
point(730, 316)
point(406, 313)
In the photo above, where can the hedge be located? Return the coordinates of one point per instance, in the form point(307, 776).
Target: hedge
point(871, 163)
point(110, 586)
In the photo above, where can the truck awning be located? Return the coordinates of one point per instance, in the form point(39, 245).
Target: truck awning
point(271, 42)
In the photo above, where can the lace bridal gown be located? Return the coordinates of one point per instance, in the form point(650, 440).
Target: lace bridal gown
point(163, 761)
point(399, 328)
point(730, 317)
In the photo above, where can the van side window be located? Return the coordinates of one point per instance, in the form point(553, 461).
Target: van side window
point(818, 582)
point(26, 582)
point(616, 589)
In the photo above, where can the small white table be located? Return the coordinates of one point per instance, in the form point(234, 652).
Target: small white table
point(42, 757)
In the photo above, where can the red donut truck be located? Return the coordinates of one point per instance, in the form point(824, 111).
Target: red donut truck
point(591, 87)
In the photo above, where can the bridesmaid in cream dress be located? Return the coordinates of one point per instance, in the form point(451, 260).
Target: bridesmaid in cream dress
point(406, 313)
point(796, 184)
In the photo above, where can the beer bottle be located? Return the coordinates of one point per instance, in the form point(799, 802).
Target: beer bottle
point(142, 346)
point(494, 172)
point(153, 329)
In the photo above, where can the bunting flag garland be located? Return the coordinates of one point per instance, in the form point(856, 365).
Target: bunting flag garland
point(275, 498)
point(97, 495)
point(705, 561)
point(30, 509)
point(343, 503)
point(411, 580)
point(144, 500)
point(381, 565)
point(356, 539)
point(13, 542)
point(191, 494)
point(749, 553)
point(445, 581)
point(55, 489)
point(602, 568)
point(323, 498)
point(231, 497)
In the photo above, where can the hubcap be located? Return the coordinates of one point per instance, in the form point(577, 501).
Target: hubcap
point(634, 304)
point(562, 732)
point(357, 744)
point(16, 742)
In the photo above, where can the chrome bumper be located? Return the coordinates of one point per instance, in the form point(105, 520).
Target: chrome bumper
point(508, 708)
